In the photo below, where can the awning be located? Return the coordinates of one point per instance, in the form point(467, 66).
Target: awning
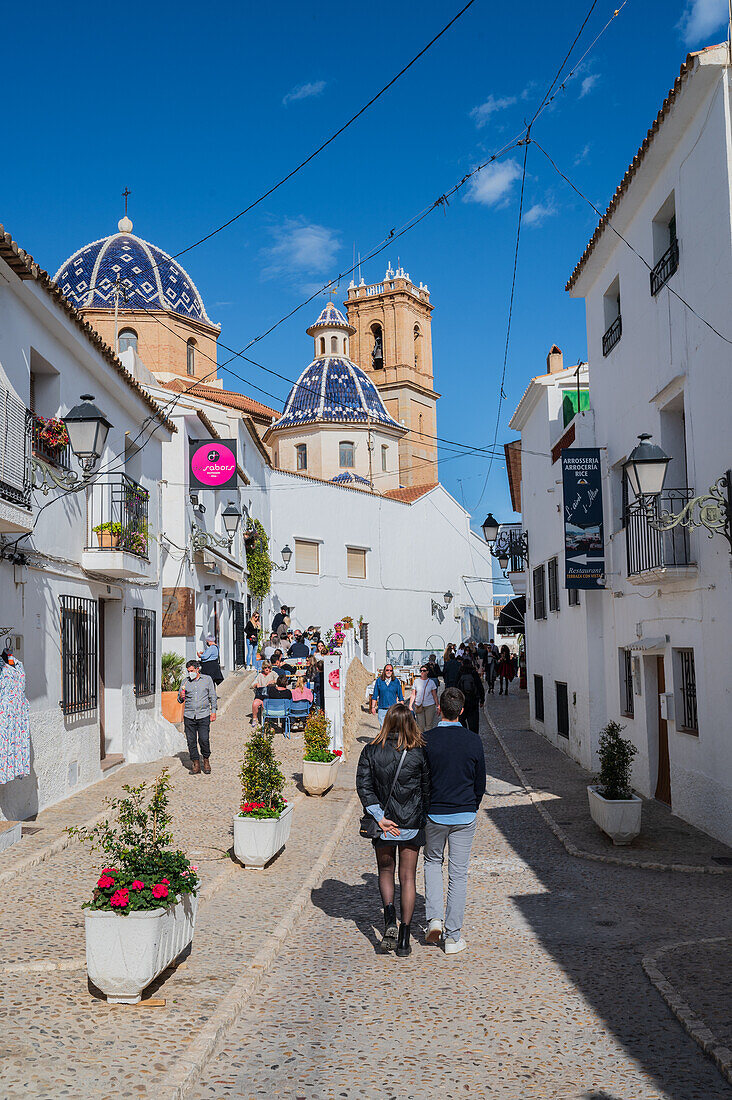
point(645, 644)
point(511, 619)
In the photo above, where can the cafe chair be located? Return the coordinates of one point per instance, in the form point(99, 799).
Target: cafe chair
point(279, 710)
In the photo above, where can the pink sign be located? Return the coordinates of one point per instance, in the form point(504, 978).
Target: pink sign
point(334, 679)
point(213, 464)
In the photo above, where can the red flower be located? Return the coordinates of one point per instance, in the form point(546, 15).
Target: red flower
point(109, 871)
point(120, 898)
point(159, 890)
point(137, 885)
point(338, 752)
point(105, 881)
point(166, 881)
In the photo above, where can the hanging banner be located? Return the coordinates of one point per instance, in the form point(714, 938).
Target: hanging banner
point(584, 540)
point(212, 464)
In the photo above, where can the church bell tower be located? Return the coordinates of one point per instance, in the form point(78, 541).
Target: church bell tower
point(392, 342)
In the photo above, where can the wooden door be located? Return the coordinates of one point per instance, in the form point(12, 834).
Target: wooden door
point(663, 783)
point(102, 736)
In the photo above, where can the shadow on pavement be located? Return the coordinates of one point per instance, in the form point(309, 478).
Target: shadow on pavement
point(361, 904)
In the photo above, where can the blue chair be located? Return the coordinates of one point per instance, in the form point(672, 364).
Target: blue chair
point(300, 709)
point(279, 709)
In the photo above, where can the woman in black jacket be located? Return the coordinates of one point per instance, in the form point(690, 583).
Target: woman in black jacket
point(402, 821)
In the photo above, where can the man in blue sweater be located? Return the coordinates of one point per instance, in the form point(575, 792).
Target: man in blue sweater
point(457, 769)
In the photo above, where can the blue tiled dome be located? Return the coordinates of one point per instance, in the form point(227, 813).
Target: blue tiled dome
point(330, 317)
point(350, 479)
point(332, 388)
point(150, 278)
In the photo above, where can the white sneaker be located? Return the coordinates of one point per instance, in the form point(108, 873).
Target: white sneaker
point(433, 931)
point(452, 947)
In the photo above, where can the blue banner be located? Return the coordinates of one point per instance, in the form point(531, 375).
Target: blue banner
point(584, 538)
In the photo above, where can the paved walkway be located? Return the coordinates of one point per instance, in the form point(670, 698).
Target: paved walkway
point(549, 1003)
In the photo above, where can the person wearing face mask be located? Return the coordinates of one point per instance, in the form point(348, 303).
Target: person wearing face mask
point(14, 722)
point(387, 691)
point(199, 695)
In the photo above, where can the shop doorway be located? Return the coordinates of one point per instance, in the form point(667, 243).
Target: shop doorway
point(663, 779)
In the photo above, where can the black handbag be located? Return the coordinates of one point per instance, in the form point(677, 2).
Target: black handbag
point(369, 826)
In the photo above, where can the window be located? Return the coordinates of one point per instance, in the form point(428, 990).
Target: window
point(322, 345)
point(345, 454)
point(539, 593)
point(573, 597)
point(553, 571)
point(625, 659)
point(127, 339)
point(562, 709)
point(345, 345)
point(665, 245)
point(613, 322)
point(334, 345)
point(301, 452)
point(539, 698)
point(687, 718)
point(191, 357)
point(356, 563)
point(384, 458)
point(145, 652)
point(417, 336)
point(307, 557)
point(79, 654)
point(377, 352)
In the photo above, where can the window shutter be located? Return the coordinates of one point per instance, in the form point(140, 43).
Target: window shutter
point(356, 563)
point(307, 557)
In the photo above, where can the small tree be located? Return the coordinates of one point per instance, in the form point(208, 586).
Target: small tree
point(317, 738)
point(262, 778)
point(616, 763)
point(171, 671)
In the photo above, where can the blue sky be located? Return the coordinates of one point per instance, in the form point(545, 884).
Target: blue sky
point(198, 116)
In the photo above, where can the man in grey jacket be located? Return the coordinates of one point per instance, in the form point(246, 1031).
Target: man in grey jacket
point(199, 694)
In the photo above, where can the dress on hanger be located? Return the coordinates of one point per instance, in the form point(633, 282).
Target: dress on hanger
point(14, 723)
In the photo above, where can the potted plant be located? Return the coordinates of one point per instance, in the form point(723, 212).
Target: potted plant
point(52, 434)
point(108, 535)
point(262, 826)
point(171, 677)
point(320, 762)
point(134, 542)
point(613, 806)
point(142, 912)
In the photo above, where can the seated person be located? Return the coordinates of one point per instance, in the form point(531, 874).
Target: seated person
point(299, 648)
point(261, 682)
point(279, 690)
point(279, 666)
point(300, 692)
point(271, 646)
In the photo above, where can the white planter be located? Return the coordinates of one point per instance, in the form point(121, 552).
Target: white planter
point(125, 953)
point(619, 818)
point(257, 840)
point(316, 777)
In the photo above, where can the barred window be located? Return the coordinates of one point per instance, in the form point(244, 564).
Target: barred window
point(573, 597)
point(539, 698)
point(539, 593)
point(145, 652)
point(562, 709)
point(688, 719)
point(625, 658)
point(553, 571)
point(79, 654)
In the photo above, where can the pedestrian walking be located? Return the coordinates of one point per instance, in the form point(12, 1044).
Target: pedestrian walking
point(491, 667)
point(448, 654)
point(198, 693)
point(393, 783)
point(387, 691)
point(451, 669)
point(251, 630)
point(423, 700)
point(471, 685)
point(434, 668)
point(210, 661)
point(457, 774)
point(506, 670)
point(281, 621)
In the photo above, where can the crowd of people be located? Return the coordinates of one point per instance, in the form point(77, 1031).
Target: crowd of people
point(280, 657)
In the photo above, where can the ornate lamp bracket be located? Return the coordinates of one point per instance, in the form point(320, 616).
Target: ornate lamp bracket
point(201, 540)
point(511, 544)
point(712, 510)
point(44, 477)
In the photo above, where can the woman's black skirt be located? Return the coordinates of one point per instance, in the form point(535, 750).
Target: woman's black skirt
point(416, 841)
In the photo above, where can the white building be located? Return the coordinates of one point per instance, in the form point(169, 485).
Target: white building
point(654, 297)
point(80, 592)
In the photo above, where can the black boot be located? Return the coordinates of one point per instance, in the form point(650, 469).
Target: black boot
point(389, 941)
point(403, 948)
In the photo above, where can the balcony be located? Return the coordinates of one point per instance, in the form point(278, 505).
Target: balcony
point(665, 267)
point(657, 555)
point(15, 481)
point(117, 528)
point(612, 336)
point(50, 441)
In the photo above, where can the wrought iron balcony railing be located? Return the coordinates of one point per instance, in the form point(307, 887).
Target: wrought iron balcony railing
point(649, 549)
point(665, 267)
point(117, 515)
point(613, 334)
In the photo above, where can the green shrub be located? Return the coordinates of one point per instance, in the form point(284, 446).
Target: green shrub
point(317, 739)
point(262, 778)
point(171, 671)
point(259, 566)
point(616, 763)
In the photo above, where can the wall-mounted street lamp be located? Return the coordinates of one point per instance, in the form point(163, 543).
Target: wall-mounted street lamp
point(201, 539)
point(286, 557)
point(87, 428)
point(447, 597)
point(509, 546)
point(646, 470)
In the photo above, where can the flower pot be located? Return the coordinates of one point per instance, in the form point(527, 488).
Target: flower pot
point(171, 708)
point(317, 778)
point(257, 840)
point(620, 818)
point(125, 953)
point(108, 540)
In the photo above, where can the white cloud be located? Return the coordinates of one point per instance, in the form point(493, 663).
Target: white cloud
point(305, 91)
point(299, 247)
point(701, 18)
point(491, 186)
point(588, 84)
point(481, 115)
point(539, 212)
point(583, 154)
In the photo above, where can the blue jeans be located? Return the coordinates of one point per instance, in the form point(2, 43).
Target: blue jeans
point(251, 654)
point(382, 712)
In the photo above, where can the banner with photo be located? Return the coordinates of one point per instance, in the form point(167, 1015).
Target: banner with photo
point(584, 538)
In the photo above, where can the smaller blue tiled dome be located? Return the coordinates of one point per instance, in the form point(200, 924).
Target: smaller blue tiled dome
point(330, 317)
point(350, 479)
